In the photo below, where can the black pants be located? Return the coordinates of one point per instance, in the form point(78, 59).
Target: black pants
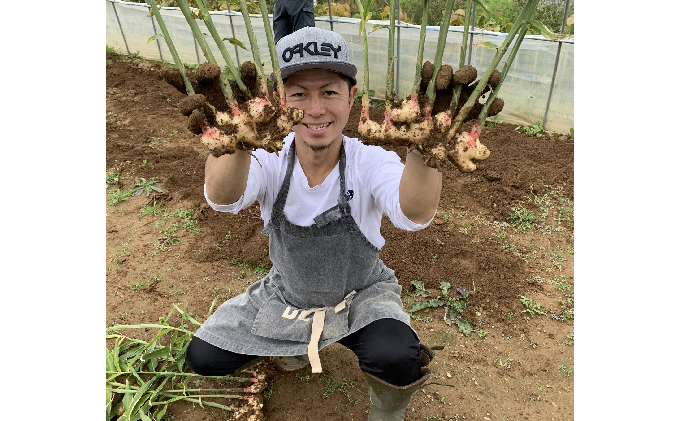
point(291, 15)
point(386, 348)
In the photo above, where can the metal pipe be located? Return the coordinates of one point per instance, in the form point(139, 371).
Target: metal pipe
point(330, 14)
point(472, 34)
point(121, 27)
point(557, 61)
point(198, 58)
point(154, 32)
point(233, 34)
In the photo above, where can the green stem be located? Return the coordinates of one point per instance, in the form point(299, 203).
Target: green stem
point(155, 11)
point(364, 97)
point(504, 72)
point(253, 40)
point(441, 43)
point(389, 89)
point(474, 96)
point(463, 54)
point(421, 47)
point(216, 405)
point(226, 89)
point(170, 373)
point(272, 50)
point(223, 49)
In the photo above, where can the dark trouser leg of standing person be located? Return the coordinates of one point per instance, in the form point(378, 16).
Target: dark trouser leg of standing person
point(208, 360)
point(282, 23)
point(291, 15)
point(304, 16)
point(394, 363)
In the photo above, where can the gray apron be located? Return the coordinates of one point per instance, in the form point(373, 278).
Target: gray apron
point(326, 282)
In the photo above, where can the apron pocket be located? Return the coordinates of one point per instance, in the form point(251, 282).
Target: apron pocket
point(279, 320)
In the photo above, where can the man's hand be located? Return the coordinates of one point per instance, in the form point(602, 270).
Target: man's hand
point(422, 124)
point(251, 121)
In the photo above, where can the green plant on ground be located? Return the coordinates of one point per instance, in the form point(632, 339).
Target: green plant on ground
point(141, 185)
point(340, 384)
point(115, 197)
point(521, 218)
point(155, 209)
point(571, 133)
point(566, 369)
point(112, 178)
point(531, 307)
point(535, 129)
point(145, 377)
point(453, 306)
point(492, 121)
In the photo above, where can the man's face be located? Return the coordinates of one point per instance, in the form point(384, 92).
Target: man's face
point(326, 100)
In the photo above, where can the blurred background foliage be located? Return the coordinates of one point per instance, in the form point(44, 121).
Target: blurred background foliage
point(502, 13)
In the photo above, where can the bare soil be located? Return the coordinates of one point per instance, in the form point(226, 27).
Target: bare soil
point(515, 366)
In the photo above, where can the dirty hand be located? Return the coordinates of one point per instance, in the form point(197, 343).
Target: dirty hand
point(249, 121)
point(423, 124)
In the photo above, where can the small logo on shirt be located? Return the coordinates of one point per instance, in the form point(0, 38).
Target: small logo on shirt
point(349, 195)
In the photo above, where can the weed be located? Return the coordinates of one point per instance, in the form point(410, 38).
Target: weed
point(569, 340)
point(571, 133)
point(492, 121)
point(504, 363)
point(481, 333)
point(340, 384)
point(533, 130)
point(147, 187)
point(154, 209)
point(191, 225)
point(183, 213)
point(304, 378)
point(116, 197)
point(112, 178)
point(454, 306)
point(566, 369)
point(268, 391)
point(522, 218)
point(531, 307)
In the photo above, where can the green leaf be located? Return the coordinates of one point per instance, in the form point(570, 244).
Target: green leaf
point(376, 27)
point(487, 44)
point(160, 413)
point(159, 353)
point(481, 3)
point(155, 37)
point(543, 30)
point(445, 287)
point(424, 304)
point(127, 398)
point(139, 397)
point(234, 41)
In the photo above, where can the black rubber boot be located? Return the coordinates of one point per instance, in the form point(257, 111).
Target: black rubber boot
point(389, 402)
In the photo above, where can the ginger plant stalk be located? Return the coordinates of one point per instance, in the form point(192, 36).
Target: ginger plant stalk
point(389, 88)
point(155, 11)
point(463, 54)
point(261, 79)
point(504, 72)
point(225, 87)
point(276, 69)
point(474, 96)
point(441, 43)
point(207, 19)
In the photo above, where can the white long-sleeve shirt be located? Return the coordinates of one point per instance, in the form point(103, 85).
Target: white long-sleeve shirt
point(372, 177)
